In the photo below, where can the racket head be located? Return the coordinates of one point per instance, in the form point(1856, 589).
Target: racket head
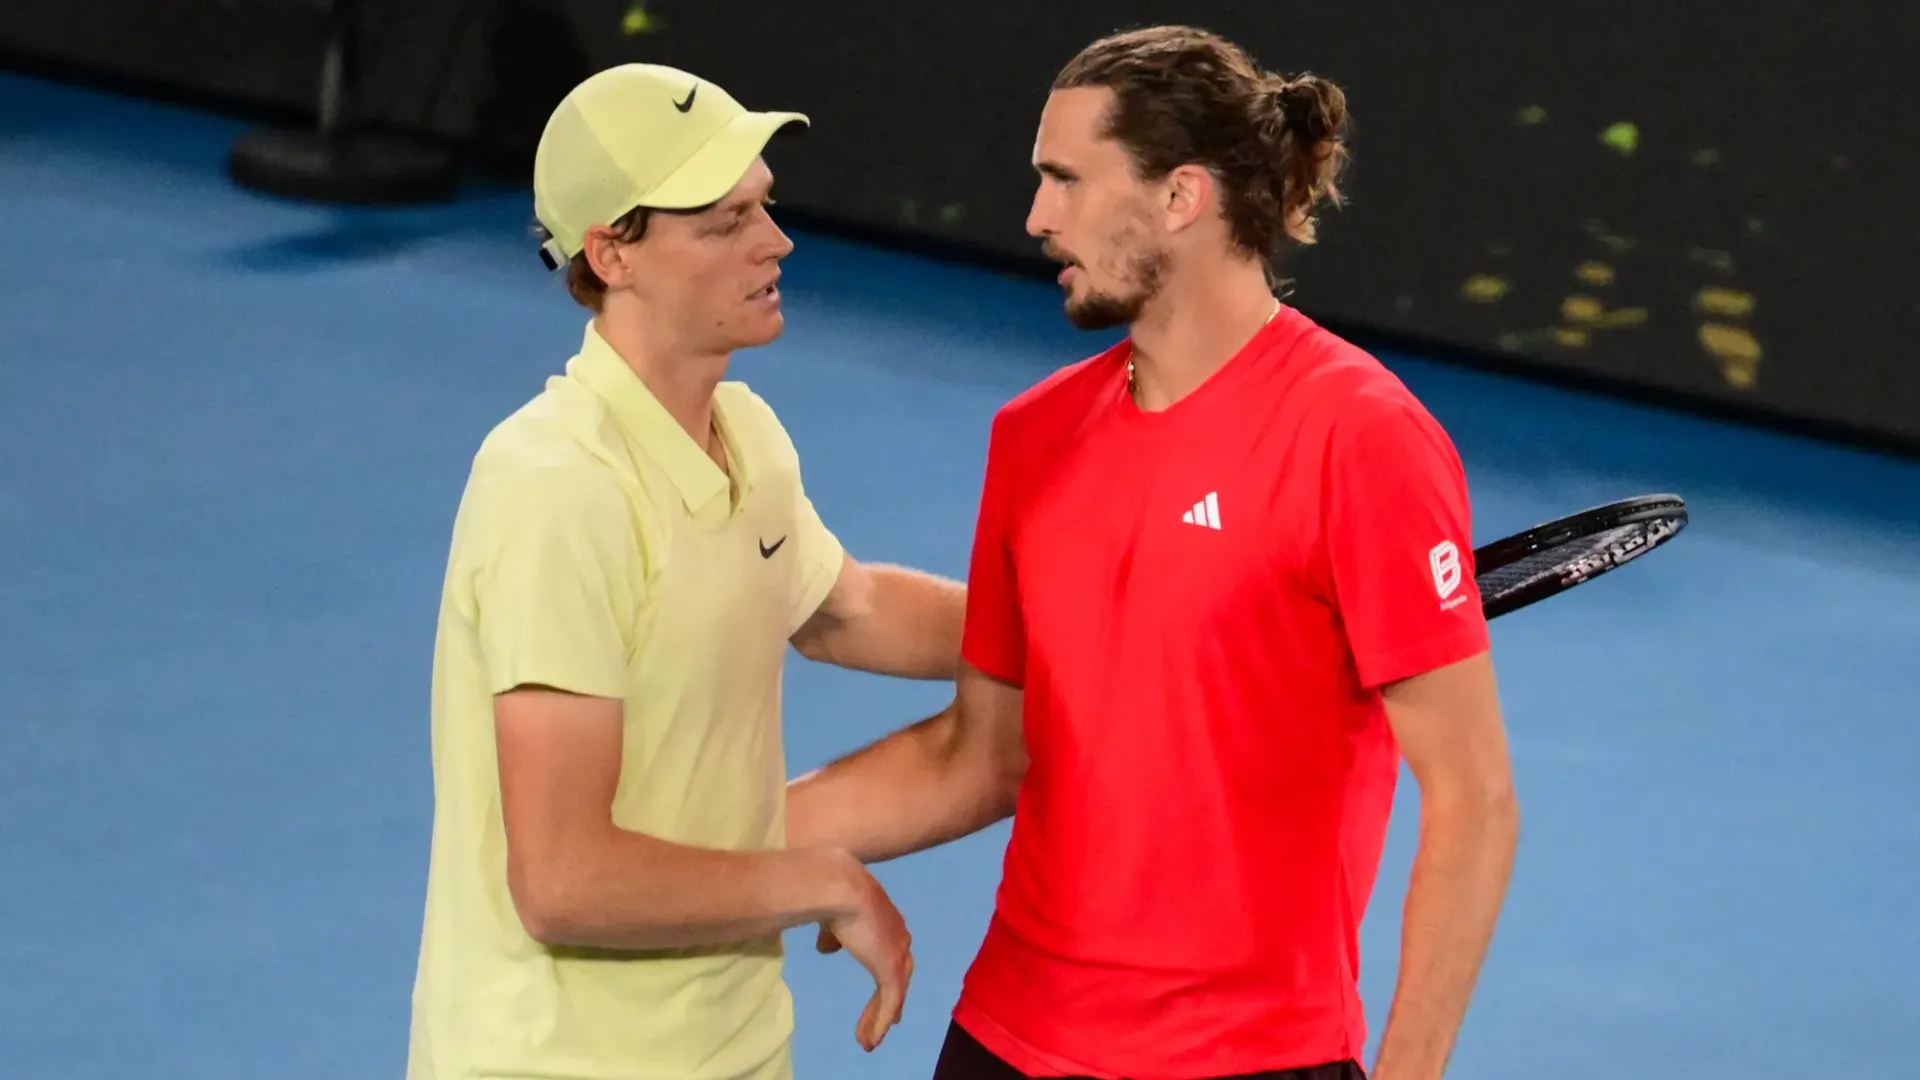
point(1548, 559)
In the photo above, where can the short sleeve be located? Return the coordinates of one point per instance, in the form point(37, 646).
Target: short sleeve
point(817, 559)
point(994, 637)
point(558, 588)
point(1399, 542)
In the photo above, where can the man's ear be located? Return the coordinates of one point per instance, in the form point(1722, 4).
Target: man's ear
point(1189, 194)
point(611, 260)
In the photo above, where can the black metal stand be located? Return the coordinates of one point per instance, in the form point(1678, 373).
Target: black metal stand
point(332, 162)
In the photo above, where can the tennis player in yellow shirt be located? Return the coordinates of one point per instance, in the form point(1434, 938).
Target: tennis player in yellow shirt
point(632, 556)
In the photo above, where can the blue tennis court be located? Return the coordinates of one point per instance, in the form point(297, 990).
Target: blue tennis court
point(234, 435)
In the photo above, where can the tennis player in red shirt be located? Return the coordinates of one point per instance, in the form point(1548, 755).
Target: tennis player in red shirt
point(1221, 584)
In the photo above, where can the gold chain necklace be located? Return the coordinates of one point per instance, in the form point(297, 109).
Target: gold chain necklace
point(1131, 383)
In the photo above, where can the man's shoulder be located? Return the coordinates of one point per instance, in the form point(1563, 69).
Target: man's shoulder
point(754, 424)
point(553, 454)
point(552, 434)
point(1069, 391)
point(1363, 416)
point(1348, 385)
point(747, 411)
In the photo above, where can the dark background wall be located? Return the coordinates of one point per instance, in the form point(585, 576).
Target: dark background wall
point(1710, 200)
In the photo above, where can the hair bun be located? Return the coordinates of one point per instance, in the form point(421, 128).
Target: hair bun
point(1313, 107)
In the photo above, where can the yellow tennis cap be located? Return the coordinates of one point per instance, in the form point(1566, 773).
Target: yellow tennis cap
point(640, 135)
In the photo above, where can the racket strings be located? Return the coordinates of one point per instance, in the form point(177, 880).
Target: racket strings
point(1560, 559)
point(1577, 548)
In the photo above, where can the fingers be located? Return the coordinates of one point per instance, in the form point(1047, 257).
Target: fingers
point(891, 977)
point(884, 1009)
point(889, 1001)
point(878, 938)
point(870, 1031)
point(905, 979)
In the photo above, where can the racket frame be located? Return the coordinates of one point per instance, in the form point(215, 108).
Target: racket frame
point(1668, 513)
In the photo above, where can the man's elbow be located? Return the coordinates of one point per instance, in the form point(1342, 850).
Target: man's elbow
point(1003, 787)
point(992, 775)
point(979, 776)
point(813, 645)
point(1483, 804)
point(550, 906)
point(1500, 805)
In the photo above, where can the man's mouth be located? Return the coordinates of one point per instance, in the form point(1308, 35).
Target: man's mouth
point(1068, 264)
point(766, 291)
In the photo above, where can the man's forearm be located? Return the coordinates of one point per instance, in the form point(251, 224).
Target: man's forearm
point(912, 790)
point(627, 891)
point(1458, 885)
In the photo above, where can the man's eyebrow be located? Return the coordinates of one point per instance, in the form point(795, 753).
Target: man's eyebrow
point(745, 205)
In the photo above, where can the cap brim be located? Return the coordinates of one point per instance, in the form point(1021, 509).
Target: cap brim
point(718, 166)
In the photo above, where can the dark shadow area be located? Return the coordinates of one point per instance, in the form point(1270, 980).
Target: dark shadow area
point(534, 57)
point(358, 237)
point(1606, 148)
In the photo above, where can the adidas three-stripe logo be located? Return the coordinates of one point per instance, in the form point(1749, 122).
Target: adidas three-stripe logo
point(1205, 513)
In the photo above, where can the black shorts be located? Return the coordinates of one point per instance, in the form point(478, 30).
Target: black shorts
point(963, 1058)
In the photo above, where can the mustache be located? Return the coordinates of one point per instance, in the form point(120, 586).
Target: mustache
point(1055, 253)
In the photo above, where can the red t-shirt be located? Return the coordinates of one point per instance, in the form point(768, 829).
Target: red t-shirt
point(1201, 603)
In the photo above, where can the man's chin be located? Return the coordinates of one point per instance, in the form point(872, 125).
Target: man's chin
point(761, 332)
point(1097, 315)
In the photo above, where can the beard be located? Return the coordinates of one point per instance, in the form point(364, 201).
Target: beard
point(1101, 311)
point(1104, 310)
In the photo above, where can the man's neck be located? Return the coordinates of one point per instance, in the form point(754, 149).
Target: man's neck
point(1190, 331)
point(683, 382)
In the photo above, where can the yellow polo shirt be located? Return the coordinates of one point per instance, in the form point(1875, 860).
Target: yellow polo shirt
point(599, 550)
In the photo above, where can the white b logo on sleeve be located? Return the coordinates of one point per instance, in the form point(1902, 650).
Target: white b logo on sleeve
point(1445, 559)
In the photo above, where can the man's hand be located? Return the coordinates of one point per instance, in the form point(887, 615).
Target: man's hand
point(888, 621)
point(578, 880)
point(875, 933)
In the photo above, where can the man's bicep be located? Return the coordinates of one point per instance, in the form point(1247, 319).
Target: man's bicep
point(991, 716)
point(559, 762)
point(1448, 725)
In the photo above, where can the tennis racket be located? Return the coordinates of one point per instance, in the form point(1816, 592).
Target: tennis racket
point(1549, 559)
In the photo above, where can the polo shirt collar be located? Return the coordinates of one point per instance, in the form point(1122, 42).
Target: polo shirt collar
point(654, 430)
